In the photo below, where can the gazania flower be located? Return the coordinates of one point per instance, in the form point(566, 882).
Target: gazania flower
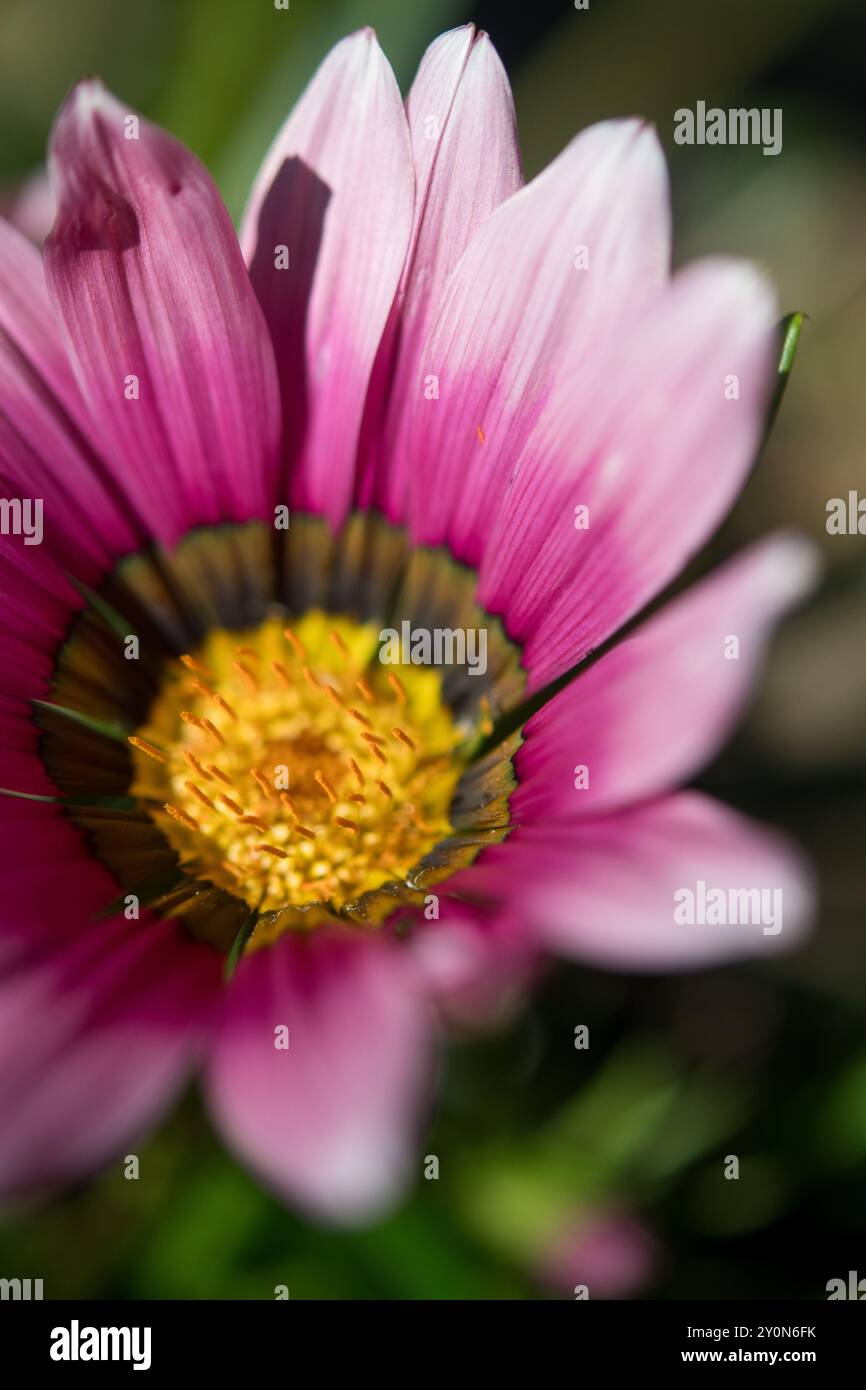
point(417, 398)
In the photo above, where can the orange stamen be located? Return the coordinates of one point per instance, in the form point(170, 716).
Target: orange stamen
point(247, 677)
point(224, 705)
point(197, 791)
point(149, 748)
point(262, 781)
point(272, 849)
point(182, 816)
point(193, 665)
point(296, 643)
point(326, 786)
point(197, 767)
point(189, 718)
point(397, 686)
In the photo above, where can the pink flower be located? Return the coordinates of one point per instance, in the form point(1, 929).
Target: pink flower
point(609, 1254)
point(281, 857)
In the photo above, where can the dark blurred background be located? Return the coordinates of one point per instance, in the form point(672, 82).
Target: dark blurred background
point(619, 1148)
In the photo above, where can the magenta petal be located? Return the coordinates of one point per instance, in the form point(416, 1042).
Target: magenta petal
point(335, 192)
point(327, 1121)
point(51, 882)
point(603, 890)
point(159, 318)
point(38, 601)
point(464, 145)
point(96, 1038)
point(655, 443)
point(648, 715)
point(517, 316)
point(46, 446)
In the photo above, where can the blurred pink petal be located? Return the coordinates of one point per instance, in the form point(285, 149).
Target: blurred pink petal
point(612, 1253)
point(96, 1040)
point(657, 707)
point(33, 207)
point(328, 1120)
point(475, 965)
point(602, 890)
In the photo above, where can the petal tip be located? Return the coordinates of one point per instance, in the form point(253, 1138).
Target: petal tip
point(89, 96)
point(365, 37)
point(795, 565)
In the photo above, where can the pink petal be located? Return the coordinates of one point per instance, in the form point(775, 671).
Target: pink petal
point(603, 890)
point(475, 964)
point(336, 190)
point(33, 207)
point(96, 1038)
point(148, 281)
point(464, 144)
point(47, 450)
point(612, 1252)
point(327, 1121)
point(656, 449)
point(517, 315)
point(654, 710)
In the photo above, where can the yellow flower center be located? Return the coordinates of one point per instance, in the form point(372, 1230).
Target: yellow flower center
point(291, 767)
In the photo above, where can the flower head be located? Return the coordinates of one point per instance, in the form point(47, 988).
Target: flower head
point(416, 403)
